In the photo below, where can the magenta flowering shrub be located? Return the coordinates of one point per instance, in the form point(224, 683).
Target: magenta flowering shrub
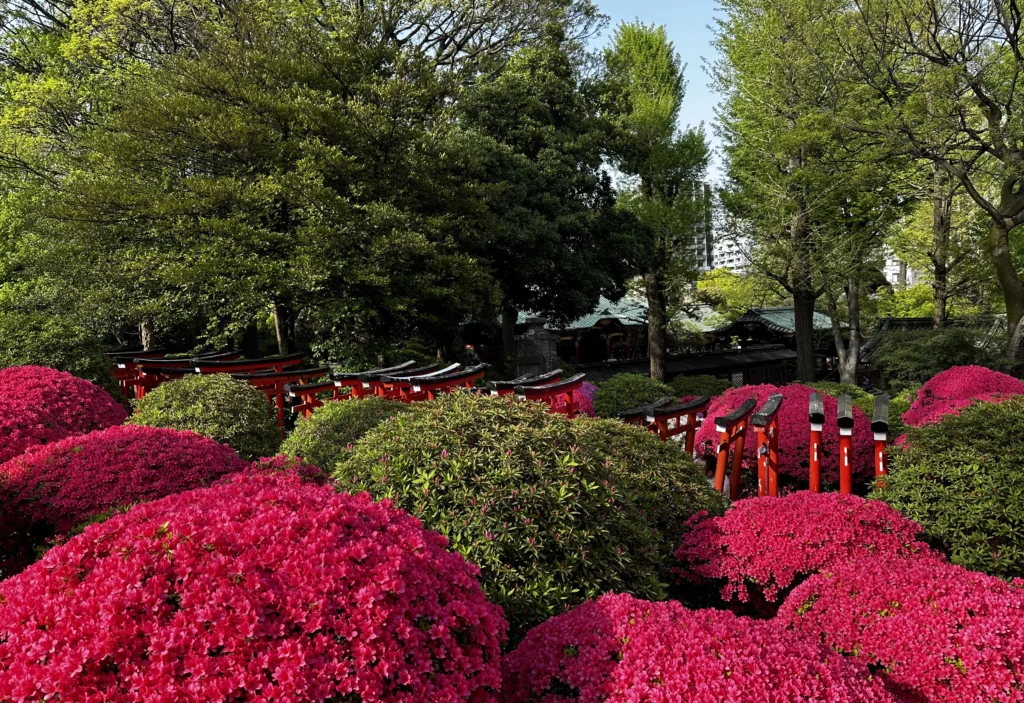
point(259, 590)
point(770, 544)
point(794, 434)
point(288, 467)
point(619, 649)
point(41, 405)
point(953, 390)
point(935, 631)
point(584, 398)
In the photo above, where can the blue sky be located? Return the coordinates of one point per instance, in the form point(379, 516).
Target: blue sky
point(689, 27)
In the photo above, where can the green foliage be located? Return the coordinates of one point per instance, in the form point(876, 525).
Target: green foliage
point(732, 294)
point(961, 479)
point(913, 356)
point(323, 437)
point(553, 511)
point(913, 301)
point(899, 404)
point(627, 391)
point(861, 398)
point(217, 406)
point(683, 386)
point(45, 340)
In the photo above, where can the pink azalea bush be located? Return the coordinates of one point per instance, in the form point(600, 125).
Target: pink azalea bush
point(619, 649)
point(584, 399)
point(283, 466)
point(794, 434)
point(39, 405)
point(258, 590)
point(770, 544)
point(953, 390)
point(935, 631)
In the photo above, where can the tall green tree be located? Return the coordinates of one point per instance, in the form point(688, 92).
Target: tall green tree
point(644, 92)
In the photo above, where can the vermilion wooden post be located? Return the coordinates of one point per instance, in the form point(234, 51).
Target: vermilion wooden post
point(673, 420)
point(732, 428)
point(880, 428)
point(816, 414)
point(766, 423)
point(845, 421)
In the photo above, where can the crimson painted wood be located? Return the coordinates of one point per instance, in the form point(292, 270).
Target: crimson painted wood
point(552, 392)
point(672, 420)
point(732, 430)
point(816, 416)
point(766, 423)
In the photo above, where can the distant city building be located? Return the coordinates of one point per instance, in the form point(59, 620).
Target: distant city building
point(897, 273)
point(704, 234)
point(732, 254)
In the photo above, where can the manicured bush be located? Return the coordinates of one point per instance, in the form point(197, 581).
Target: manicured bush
point(217, 406)
point(627, 391)
point(953, 390)
point(909, 358)
point(769, 545)
point(325, 435)
point(861, 398)
point(934, 631)
point(794, 435)
point(40, 405)
point(693, 386)
point(961, 480)
point(618, 649)
point(44, 340)
point(259, 590)
point(554, 511)
point(283, 466)
point(898, 405)
point(51, 489)
point(584, 399)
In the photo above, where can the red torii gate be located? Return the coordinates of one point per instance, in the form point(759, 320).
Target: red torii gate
point(732, 428)
point(431, 386)
point(503, 388)
point(550, 393)
point(766, 423)
point(358, 387)
point(672, 420)
point(273, 384)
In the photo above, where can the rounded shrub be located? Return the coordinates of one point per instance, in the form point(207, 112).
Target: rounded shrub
point(44, 340)
point(554, 511)
point(49, 490)
point(961, 480)
point(898, 405)
point(934, 631)
point(40, 405)
point(284, 466)
point(953, 390)
point(260, 590)
point(216, 406)
point(861, 398)
point(618, 648)
point(794, 435)
point(335, 426)
point(693, 386)
point(768, 545)
point(627, 391)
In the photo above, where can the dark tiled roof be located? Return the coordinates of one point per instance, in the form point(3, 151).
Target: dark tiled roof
point(714, 362)
point(776, 319)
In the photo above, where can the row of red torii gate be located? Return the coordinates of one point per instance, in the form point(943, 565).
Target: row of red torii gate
point(301, 391)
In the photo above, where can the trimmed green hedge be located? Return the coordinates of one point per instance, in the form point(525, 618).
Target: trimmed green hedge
point(684, 386)
point(217, 406)
point(324, 437)
point(627, 391)
point(554, 511)
point(861, 398)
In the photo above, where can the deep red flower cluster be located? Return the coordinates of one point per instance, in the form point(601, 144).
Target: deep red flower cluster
point(286, 467)
point(771, 543)
point(65, 483)
point(794, 433)
point(39, 405)
point(951, 391)
point(937, 632)
point(584, 399)
point(257, 590)
point(619, 649)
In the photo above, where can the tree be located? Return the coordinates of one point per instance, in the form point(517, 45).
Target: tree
point(644, 91)
point(732, 294)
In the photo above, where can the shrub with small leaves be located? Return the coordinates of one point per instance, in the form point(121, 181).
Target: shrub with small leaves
point(961, 480)
point(217, 406)
point(554, 511)
point(934, 631)
point(618, 649)
point(771, 544)
point(324, 436)
point(264, 589)
point(693, 386)
point(627, 391)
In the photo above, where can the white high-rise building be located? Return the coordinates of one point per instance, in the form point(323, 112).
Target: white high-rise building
point(897, 272)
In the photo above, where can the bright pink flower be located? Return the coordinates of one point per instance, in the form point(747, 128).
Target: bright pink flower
point(584, 399)
point(771, 544)
point(39, 405)
point(285, 467)
point(619, 649)
point(935, 631)
point(953, 390)
point(794, 434)
point(264, 589)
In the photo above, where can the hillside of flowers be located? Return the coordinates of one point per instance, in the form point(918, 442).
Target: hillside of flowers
point(953, 390)
point(478, 549)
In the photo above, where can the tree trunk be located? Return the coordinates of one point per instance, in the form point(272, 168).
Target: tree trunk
point(803, 333)
point(656, 324)
point(148, 335)
point(1017, 342)
point(802, 280)
point(251, 341)
point(1006, 274)
point(509, 317)
point(942, 216)
point(283, 327)
point(901, 277)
